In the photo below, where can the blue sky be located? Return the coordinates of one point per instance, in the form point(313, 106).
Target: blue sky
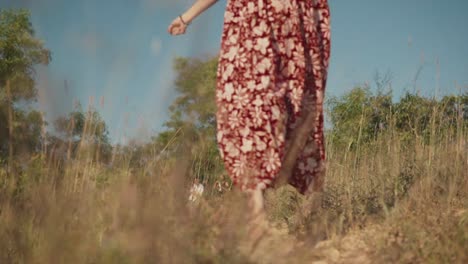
point(117, 52)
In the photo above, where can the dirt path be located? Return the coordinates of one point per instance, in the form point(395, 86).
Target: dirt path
point(277, 246)
point(357, 246)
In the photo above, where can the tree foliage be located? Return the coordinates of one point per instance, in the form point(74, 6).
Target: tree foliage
point(191, 128)
point(83, 131)
point(359, 116)
point(20, 52)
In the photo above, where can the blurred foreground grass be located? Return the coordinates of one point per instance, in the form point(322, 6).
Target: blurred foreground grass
point(396, 201)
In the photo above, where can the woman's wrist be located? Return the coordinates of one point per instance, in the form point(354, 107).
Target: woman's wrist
point(186, 18)
point(199, 7)
point(185, 22)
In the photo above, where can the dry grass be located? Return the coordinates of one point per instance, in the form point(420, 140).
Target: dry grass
point(390, 201)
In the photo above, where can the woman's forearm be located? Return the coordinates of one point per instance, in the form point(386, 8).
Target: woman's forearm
point(199, 7)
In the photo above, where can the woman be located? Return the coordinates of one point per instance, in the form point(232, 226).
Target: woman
point(270, 87)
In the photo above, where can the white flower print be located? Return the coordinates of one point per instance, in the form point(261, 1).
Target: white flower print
point(260, 87)
point(260, 29)
point(251, 85)
point(264, 66)
point(228, 36)
point(251, 7)
point(241, 59)
point(231, 149)
point(286, 28)
point(234, 39)
point(294, 14)
point(268, 127)
point(260, 4)
point(234, 119)
point(247, 74)
point(243, 16)
point(295, 96)
point(291, 68)
point(275, 112)
point(298, 56)
point(239, 166)
point(232, 53)
point(228, 16)
point(265, 80)
point(260, 145)
point(245, 131)
point(316, 61)
point(278, 5)
point(258, 116)
point(309, 21)
point(228, 71)
point(241, 98)
point(246, 145)
point(290, 44)
point(309, 149)
point(302, 167)
point(249, 44)
point(272, 161)
point(262, 45)
point(219, 95)
point(258, 101)
point(219, 135)
point(311, 164)
point(228, 91)
point(325, 28)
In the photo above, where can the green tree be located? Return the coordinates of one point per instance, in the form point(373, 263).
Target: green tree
point(455, 111)
point(83, 132)
point(191, 128)
point(20, 52)
point(413, 115)
point(358, 116)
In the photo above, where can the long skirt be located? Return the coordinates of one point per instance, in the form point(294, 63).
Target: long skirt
point(271, 81)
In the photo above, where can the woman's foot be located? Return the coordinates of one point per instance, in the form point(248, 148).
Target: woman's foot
point(257, 202)
point(258, 224)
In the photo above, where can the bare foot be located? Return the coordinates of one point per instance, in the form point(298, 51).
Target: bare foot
point(258, 224)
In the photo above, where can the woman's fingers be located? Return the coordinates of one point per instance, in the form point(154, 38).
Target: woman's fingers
point(176, 28)
point(179, 31)
point(175, 31)
point(171, 28)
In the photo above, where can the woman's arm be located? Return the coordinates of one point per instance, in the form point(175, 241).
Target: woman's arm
point(179, 25)
point(199, 7)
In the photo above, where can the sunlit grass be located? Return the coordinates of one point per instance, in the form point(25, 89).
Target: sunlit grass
point(405, 198)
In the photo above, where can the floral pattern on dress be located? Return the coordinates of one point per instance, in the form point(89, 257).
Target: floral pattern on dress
point(272, 71)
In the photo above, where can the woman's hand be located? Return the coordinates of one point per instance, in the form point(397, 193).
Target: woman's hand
point(177, 27)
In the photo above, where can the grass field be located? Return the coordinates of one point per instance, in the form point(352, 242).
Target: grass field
point(389, 201)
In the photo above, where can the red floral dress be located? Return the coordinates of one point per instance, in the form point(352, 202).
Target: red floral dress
point(270, 86)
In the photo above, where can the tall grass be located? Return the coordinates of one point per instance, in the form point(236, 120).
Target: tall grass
point(406, 197)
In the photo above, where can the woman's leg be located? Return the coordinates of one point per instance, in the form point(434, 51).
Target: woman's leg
point(258, 225)
point(257, 202)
